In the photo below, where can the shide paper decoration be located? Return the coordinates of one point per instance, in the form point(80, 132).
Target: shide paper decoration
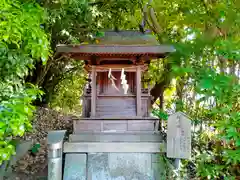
point(123, 81)
point(112, 78)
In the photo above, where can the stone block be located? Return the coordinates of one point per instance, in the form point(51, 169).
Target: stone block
point(75, 167)
point(117, 147)
point(138, 125)
point(87, 126)
point(118, 126)
point(115, 137)
point(120, 166)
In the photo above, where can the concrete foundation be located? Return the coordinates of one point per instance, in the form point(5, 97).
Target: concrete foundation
point(111, 166)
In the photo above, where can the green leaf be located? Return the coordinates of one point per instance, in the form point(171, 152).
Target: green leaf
point(100, 34)
point(36, 148)
point(238, 143)
point(206, 83)
point(232, 132)
point(5, 37)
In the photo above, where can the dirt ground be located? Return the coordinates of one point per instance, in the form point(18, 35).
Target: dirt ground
point(34, 166)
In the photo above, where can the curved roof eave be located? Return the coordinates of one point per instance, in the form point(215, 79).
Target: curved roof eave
point(152, 50)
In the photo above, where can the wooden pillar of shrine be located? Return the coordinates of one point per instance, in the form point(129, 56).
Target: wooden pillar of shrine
point(138, 91)
point(94, 91)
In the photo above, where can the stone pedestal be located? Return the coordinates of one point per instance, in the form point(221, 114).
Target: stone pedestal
point(55, 145)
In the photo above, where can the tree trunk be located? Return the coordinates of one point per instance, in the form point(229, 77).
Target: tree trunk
point(179, 90)
point(157, 91)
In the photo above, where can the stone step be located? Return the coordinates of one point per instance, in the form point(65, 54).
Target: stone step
point(116, 103)
point(109, 115)
point(118, 113)
point(110, 102)
point(114, 125)
point(115, 137)
point(115, 106)
point(114, 147)
point(115, 109)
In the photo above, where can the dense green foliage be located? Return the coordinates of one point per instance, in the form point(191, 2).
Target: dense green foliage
point(204, 75)
point(68, 92)
point(200, 79)
point(22, 42)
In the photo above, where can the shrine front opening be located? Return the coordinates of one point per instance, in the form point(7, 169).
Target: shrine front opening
point(111, 98)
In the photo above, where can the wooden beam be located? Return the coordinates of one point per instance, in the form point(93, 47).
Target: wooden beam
point(87, 57)
point(94, 91)
point(116, 67)
point(138, 91)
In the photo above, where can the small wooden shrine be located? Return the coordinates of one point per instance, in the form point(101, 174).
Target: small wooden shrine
point(115, 127)
point(115, 65)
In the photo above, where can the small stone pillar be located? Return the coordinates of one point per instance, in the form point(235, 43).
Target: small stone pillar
point(55, 152)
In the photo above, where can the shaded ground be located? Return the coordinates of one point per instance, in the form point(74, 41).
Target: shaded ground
point(33, 166)
point(22, 176)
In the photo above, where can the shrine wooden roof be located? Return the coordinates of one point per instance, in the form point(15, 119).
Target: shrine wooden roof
point(112, 50)
point(118, 44)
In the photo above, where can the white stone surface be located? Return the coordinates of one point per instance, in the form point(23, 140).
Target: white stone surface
point(117, 147)
point(179, 136)
point(120, 166)
point(115, 137)
point(75, 167)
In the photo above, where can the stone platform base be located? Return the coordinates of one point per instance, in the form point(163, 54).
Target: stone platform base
point(112, 166)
